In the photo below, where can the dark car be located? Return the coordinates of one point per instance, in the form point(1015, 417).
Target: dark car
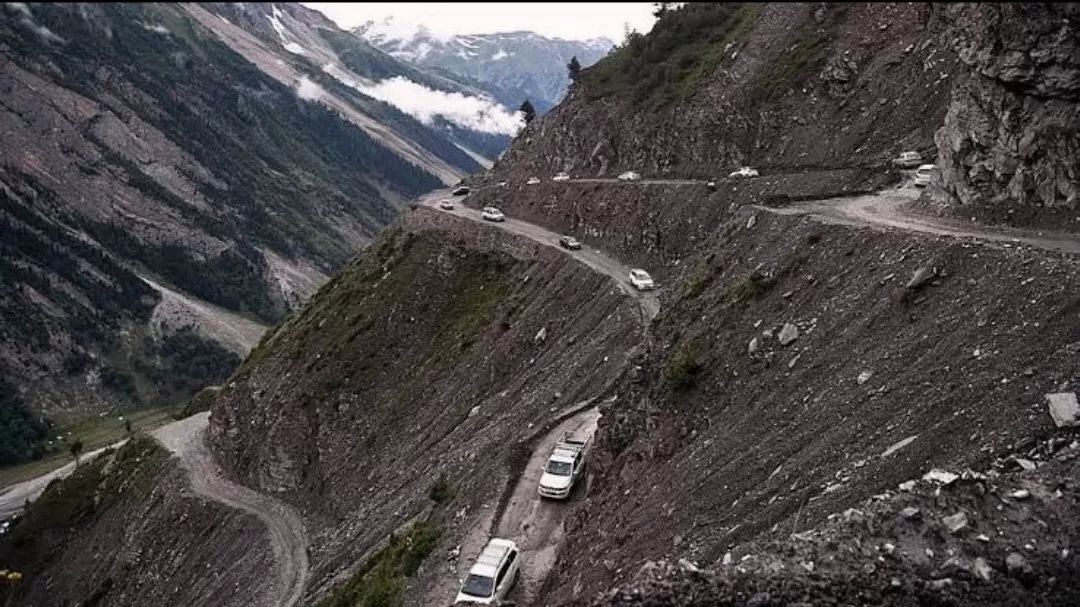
point(463, 190)
point(569, 242)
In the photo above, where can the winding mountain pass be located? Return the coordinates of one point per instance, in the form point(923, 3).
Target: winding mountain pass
point(288, 540)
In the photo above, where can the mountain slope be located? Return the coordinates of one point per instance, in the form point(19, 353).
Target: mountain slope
point(522, 65)
point(145, 167)
point(291, 43)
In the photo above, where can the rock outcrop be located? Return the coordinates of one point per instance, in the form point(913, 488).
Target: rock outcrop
point(1010, 142)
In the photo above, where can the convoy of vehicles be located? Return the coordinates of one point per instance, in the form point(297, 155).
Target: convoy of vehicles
point(565, 466)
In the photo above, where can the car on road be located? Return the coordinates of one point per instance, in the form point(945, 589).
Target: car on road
point(569, 242)
point(492, 214)
point(711, 185)
point(908, 160)
point(461, 191)
point(564, 466)
point(492, 575)
point(744, 172)
point(629, 176)
point(922, 175)
point(561, 177)
point(446, 204)
point(641, 280)
point(533, 181)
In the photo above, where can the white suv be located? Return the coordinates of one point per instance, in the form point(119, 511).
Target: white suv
point(744, 172)
point(641, 280)
point(629, 176)
point(561, 176)
point(492, 214)
point(922, 175)
point(492, 575)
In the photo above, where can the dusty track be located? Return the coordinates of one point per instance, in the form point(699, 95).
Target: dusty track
point(288, 540)
point(594, 258)
point(888, 210)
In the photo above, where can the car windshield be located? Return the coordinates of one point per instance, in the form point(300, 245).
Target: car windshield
point(560, 468)
point(477, 585)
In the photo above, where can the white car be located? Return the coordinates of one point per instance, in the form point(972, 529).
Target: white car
point(922, 175)
point(744, 172)
point(533, 181)
point(641, 280)
point(629, 176)
point(564, 466)
point(446, 204)
point(492, 575)
point(561, 177)
point(492, 214)
point(906, 160)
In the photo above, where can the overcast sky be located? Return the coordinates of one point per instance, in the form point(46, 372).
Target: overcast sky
point(571, 20)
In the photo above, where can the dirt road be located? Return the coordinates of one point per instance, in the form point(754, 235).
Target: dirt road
point(537, 524)
point(887, 209)
point(14, 498)
point(594, 258)
point(288, 540)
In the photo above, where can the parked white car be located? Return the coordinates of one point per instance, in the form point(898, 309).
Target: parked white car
point(533, 181)
point(744, 172)
point(446, 204)
point(561, 177)
point(565, 466)
point(641, 280)
point(492, 575)
point(492, 214)
point(907, 160)
point(922, 175)
point(629, 176)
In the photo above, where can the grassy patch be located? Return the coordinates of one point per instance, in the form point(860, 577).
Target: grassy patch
point(684, 368)
point(790, 68)
point(379, 582)
point(91, 489)
point(667, 65)
point(752, 288)
point(94, 431)
point(442, 491)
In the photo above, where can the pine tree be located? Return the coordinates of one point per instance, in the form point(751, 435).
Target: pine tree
point(528, 110)
point(574, 67)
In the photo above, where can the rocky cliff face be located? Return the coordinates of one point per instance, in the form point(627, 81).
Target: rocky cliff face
point(1010, 142)
point(782, 87)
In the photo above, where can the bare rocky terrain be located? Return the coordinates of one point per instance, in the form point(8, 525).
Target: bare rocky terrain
point(838, 395)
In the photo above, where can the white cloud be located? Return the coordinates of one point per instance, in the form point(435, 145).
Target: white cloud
point(309, 90)
point(466, 111)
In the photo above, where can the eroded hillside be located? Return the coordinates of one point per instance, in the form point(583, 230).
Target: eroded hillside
point(421, 361)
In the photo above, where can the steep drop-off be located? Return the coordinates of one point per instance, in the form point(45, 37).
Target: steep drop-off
point(419, 362)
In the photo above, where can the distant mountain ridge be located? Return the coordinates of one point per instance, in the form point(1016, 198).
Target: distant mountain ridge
point(523, 63)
